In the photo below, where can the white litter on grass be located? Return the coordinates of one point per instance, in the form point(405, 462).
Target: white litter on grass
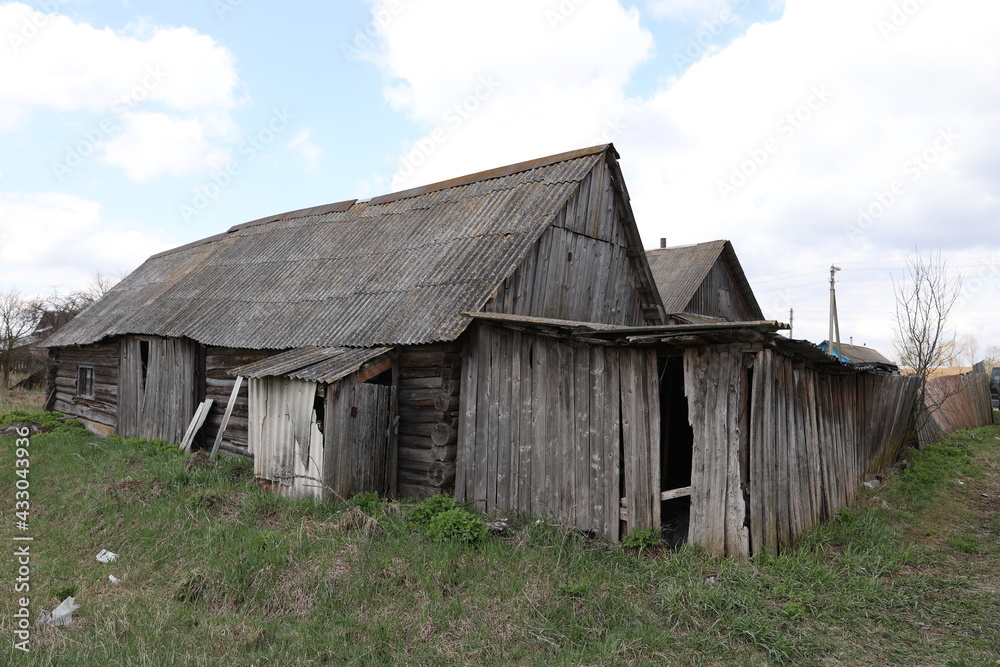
point(61, 615)
point(106, 556)
point(113, 579)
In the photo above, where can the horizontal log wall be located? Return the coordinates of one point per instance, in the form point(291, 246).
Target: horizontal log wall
point(429, 382)
point(219, 386)
point(550, 428)
point(100, 412)
point(813, 438)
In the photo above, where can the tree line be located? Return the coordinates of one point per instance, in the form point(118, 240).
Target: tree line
point(26, 321)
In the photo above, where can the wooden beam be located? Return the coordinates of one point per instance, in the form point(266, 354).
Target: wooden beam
point(200, 415)
point(225, 418)
point(676, 493)
point(372, 371)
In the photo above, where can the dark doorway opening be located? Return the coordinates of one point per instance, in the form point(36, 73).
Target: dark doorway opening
point(144, 358)
point(676, 450)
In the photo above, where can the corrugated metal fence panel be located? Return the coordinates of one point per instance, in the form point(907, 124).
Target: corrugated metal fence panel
point(285, 441)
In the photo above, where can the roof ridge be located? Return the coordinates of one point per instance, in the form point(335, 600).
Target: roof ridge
point(347, 204)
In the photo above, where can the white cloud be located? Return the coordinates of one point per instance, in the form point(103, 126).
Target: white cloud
point(809, 120)
point(304, 146)
point(93, 76)
point(155, 143)
point(58, 241)
point(542, 78)
point(691, 9)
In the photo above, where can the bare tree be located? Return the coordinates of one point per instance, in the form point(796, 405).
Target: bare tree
point(923, 303)
point(992, 356)
point(100, 285)
point(18, 317)
point(966, 350)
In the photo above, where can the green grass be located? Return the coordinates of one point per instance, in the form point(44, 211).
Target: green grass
point(217, 571)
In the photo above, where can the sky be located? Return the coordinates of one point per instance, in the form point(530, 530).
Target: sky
point(809, 133)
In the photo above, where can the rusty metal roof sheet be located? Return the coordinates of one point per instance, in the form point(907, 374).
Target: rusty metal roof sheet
point(399, 269)
point(680, 271)
point(316, 364)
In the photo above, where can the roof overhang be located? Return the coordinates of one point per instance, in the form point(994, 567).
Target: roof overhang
point(316, 364)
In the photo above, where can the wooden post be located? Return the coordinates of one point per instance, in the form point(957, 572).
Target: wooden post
point(226, 416)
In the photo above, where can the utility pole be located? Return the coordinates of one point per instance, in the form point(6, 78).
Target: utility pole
point(834, 323)
point(791, 321)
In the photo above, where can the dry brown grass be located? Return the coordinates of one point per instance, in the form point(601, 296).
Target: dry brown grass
point(20, 399)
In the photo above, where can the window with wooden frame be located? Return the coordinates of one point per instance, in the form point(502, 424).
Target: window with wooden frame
point(85, 381)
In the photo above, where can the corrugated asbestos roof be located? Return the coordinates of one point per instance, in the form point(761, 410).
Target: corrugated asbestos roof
point(316, 364)
point(680, 271)
point(399, 269)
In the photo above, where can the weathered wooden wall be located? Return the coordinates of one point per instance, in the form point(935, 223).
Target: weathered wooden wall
point(716, 384)
point(100, 412)
point(219, 387)
point(718, 296)
point(157, 401)
point(813, 437)
point(357, 437)
point(954, 402)
point(429, 381)
point(582, 267)
point(553, 428)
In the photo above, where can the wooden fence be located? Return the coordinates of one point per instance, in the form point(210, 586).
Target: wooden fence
point(954, 402)
point(779, 446)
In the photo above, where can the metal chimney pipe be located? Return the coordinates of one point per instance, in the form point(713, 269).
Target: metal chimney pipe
point(663, 243)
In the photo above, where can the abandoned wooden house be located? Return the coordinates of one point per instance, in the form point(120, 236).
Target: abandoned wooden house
point(499, 336)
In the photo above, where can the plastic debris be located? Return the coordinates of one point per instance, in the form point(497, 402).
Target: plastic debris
point(872, 483)
point(61, 615)
point(113, 579)
point(106, 556)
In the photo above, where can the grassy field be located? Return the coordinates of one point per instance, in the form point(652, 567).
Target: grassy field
point(217, 571)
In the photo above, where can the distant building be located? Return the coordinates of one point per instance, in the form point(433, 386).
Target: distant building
point(703, 279)
point(862, 357)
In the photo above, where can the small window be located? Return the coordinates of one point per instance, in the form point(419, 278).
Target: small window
point(85, 381)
